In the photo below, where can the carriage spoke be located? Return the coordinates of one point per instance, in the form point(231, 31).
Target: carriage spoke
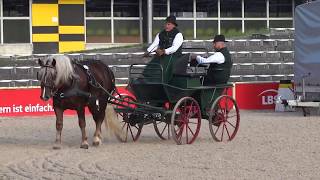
point(227, 131)
point(136, 127)
point(215, 133)
point(232, 116)
point(179, 128)
point(221, 109)
point(180, 134)
point(131, 133)
point(185, 109)
point(226, 113)
point(196, 111)
point(164, 128)
point(123, 125)
point(215, 114)
point(191, 130)
point(127, 133)
point(231, 124)
point(222, 132)
point(179, 138)
point(187, 133)
point(190, 109)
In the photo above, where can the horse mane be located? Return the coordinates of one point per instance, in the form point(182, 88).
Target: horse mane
point(64, 69)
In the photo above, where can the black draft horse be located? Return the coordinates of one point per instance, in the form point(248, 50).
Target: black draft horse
point(75, 86)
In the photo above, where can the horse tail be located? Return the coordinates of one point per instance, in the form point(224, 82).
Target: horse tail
point(112, 123)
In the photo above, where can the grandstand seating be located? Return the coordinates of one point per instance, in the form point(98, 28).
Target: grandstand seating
point(248, 66)
point(254, 60)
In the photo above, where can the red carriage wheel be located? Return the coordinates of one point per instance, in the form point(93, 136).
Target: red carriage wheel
point(185, 121)
point(224, 119)
point(162, 129)
point(132, 130)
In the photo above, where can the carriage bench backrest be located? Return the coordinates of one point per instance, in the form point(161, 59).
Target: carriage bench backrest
point(145, 73)
point(196, 71)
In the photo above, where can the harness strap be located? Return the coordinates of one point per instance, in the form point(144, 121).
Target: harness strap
point(91, 79)
point(73, 91)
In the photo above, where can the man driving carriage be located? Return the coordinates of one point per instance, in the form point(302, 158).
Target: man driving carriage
point(168, 41)
point(168, 47)
point(220, 63)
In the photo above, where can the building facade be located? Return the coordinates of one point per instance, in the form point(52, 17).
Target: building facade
point(57, 26)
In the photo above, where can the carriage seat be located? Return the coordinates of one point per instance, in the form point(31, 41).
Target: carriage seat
point(181, 67)
point(195, 71)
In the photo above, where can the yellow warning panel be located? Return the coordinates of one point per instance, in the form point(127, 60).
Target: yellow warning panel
point(45, 37)
point(71, 29)
point(71, 1)
point(45, 15)
point(71, 46)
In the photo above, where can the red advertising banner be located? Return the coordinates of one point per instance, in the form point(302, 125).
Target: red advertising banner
point(27, 102)
point(256, 95)
point(23, 102)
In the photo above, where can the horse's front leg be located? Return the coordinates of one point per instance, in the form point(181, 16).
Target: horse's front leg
point(82, 125)
point(59, 126)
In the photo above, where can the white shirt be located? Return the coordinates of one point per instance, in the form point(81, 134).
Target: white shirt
point(217, 57)
point(177, 42)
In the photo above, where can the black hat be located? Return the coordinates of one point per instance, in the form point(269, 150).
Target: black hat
point(171, 19)
point(219, 38)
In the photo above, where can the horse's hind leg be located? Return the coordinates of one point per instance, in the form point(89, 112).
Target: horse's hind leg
point(82, 124)
point(98, 116)
point(97, 137)
point(59, 126)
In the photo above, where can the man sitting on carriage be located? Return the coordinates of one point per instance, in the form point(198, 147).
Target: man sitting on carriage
point(168, 47)
point(220, 63)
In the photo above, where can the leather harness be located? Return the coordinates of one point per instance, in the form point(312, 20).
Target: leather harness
point(75, 90)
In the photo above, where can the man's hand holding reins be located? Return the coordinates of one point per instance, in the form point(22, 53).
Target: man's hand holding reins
point(160, 52)
point(146, 54)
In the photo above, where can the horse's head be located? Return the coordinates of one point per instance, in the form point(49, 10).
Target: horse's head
point(55, 73)
point(47, 76)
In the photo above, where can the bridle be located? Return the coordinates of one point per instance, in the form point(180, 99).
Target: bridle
point(45, 83)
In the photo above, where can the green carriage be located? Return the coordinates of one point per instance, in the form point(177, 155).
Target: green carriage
point(176, 102)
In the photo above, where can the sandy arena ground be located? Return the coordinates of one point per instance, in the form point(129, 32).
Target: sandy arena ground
point(268, 145)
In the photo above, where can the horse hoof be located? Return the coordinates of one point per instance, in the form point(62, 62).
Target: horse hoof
point(57, 146)
point(96, 143)
point(84, 146)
